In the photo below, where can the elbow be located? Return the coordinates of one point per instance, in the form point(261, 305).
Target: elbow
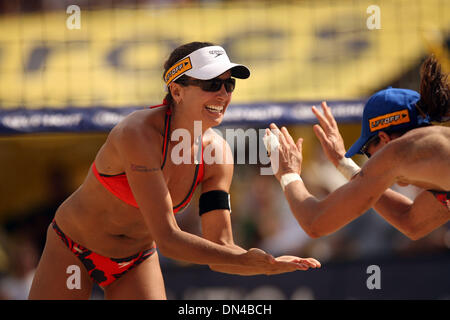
point(413, 232)
point(315, 234)
point(213, 267)
point(312, 230)
point(166, 242)
point(414, 235)
point(164, 248)
point(311, 218)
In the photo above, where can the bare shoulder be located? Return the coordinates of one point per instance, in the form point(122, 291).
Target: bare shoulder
point(432, 141)
point(137, 124)
point(423, 156)
point(140, 130)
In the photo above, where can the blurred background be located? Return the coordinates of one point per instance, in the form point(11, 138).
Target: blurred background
point(66, 80)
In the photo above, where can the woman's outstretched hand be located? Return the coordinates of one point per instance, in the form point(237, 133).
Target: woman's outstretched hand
point(269, 265)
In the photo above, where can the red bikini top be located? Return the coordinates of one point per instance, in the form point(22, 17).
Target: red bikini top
point(118, 184)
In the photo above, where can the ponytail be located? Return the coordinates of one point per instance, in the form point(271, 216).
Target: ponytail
point(434, 91)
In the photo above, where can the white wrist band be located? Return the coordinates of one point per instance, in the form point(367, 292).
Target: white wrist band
point(348, 167)
point(271, 143)
point(288, 178)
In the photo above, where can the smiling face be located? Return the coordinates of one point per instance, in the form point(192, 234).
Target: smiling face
point(197, 104)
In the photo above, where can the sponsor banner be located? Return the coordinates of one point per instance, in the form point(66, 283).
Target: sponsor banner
point(103, 119)
point(296, 51)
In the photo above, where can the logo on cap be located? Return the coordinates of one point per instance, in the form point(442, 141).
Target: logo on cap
point(177, 69)
point(217, 52)
point(390, 119)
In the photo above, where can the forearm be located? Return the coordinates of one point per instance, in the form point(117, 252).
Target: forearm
point(237, 270)
point(414, 219)
point(184, 246)
point(322, 217)
point(242, 270)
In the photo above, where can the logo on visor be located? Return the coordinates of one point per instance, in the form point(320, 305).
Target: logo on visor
point(390, 119)
point(178, 69)
point(217, 52)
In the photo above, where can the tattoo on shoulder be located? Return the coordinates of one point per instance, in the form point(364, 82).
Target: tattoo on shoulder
point(139, 168)
point(361, 173)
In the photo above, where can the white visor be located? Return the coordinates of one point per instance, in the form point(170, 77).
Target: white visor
point(205, 64)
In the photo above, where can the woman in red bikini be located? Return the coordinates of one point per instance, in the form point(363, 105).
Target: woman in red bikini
point(110, 226)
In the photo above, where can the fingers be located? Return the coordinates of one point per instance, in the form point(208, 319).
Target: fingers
point(287, 136)
point(326, 120)
point(274, 127)
point(311, 262)
point(322, 120)
point(328, 114)
point(297, 263)
point(289, 266)
point(300, 144)
point(320, 134)
point(282, 135)
point(323, 138)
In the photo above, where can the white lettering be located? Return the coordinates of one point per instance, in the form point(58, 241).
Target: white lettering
point(374, 281)
point(373, 21)
point(74, 20)
point(74, 280)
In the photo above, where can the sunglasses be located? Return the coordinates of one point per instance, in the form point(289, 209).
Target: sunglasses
point(212, 85)
point(366, 146)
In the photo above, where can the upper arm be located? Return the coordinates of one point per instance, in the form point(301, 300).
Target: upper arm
point(216, 224)
point(142, 166)
point(425, 215)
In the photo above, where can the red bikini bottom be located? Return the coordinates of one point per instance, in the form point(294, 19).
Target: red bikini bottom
point(103, 270)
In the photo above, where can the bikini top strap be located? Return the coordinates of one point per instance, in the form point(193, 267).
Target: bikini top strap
point(166, 136)
point(164, 103)
point(166, 129)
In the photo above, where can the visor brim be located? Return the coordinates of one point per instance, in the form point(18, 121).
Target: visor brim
point(212, 71)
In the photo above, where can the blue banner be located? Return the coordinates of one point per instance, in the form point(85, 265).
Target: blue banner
point(103, 119)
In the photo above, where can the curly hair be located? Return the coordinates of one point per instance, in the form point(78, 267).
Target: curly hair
point(434, 90)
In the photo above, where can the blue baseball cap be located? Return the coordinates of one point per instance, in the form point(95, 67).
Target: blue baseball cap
point(388, 110)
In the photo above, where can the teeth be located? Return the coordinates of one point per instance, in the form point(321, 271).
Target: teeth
point(215, 108)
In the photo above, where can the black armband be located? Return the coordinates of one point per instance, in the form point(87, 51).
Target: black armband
point(214, 200)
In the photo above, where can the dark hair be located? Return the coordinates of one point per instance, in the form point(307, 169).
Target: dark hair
point(178, 54)
point(434, 90)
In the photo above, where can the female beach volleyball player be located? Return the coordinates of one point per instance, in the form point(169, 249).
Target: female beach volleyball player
point(110, 226)
point(403, 148)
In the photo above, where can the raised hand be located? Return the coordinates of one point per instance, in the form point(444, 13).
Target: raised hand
point(328, 134)
point(289, 153)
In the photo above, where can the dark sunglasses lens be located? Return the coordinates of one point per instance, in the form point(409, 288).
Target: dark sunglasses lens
point(230, 84)
point(214, 85)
